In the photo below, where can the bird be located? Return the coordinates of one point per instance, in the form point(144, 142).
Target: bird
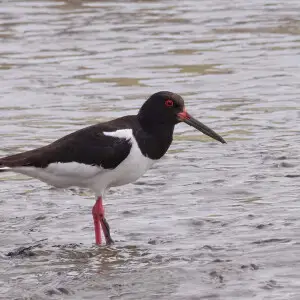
point(108, 154)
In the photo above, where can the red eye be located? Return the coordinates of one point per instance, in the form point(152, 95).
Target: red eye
point(169, 103)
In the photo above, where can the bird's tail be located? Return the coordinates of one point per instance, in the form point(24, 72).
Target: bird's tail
point(4, 169)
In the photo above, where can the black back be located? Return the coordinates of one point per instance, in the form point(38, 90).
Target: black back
point(88, 146)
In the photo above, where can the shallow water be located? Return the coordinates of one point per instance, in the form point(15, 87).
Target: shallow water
point(209, 221)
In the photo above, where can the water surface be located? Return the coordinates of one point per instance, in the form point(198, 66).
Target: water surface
point(209, 221)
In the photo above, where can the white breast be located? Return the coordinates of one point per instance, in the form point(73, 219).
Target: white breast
point(129, 170)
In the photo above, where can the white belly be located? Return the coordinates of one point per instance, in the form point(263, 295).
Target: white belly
point(62, 175)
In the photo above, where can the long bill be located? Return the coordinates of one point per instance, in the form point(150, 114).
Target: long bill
point(188, 119)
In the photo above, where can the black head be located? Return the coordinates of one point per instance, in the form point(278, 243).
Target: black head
point(166, 109)
point(162, 107)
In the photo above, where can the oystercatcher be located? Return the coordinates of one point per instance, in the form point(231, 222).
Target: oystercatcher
point(108, 154)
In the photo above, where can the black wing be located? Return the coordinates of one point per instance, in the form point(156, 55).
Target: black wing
point(88, 146)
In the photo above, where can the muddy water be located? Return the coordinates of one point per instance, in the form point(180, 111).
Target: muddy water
point(209, 221)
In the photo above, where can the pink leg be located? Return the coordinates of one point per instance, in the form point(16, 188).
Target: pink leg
point(99, 219)
point(96, 223)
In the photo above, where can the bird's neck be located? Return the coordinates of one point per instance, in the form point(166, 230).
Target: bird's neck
point(156, 127)
point(158, 136)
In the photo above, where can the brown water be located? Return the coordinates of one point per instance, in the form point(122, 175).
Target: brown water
point(209, 221)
